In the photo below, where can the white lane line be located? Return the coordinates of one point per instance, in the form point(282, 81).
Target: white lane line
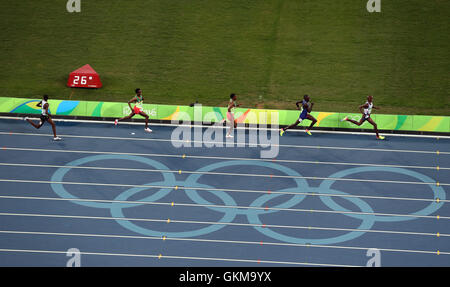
point(212, 142)
point(250, 261)
point(287, 193)
point(181, 156)
point(222, 173)
point(252, 127)
point(215, 223)
point(164, 204)
point(163, 256)
point(184, 156)
point(217, 241)
point(267, 160)
point(259, 175)
point(206, 189)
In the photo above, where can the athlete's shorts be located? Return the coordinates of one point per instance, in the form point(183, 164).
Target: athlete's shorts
point(365, 117)
point(303, 115)
point(137, 110)
point(44, 118)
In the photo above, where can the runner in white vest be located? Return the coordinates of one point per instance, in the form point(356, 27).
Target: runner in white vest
point(230, 115)
point(366, 111)
point(45, 117)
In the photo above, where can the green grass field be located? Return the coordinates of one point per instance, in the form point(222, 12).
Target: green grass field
point(269, 52)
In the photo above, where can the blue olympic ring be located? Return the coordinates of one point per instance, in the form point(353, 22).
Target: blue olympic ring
point(302, 186)
point(252, 214)
point(191, 182)
point(367, 222)
point(438, 192)
point(116, 208)
point(230, 214)
point(58, 176)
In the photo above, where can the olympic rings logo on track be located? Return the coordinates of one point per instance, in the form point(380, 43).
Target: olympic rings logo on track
point(253, 215)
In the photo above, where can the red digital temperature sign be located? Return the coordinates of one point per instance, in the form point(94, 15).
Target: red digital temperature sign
point(84, 77)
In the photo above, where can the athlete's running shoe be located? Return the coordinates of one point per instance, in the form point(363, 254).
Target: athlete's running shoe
point(229, 136)
point(25, 118)
point(148, 130)
point(344, 119)
point(308, 132)
point(282, 132)
point(116, 122)
point(380, 137)
point(56, 138)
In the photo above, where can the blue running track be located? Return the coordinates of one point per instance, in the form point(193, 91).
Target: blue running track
point(125, 199)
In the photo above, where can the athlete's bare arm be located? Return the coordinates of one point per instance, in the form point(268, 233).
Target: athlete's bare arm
point(308, 108)
point(305, 106)
point(298, 107)
point(39, 104)
point(230, 106)
point(46, 109)
point(362, 107)
point(133, 100)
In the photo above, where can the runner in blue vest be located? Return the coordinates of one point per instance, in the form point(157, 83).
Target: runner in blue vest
point(305, 114)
